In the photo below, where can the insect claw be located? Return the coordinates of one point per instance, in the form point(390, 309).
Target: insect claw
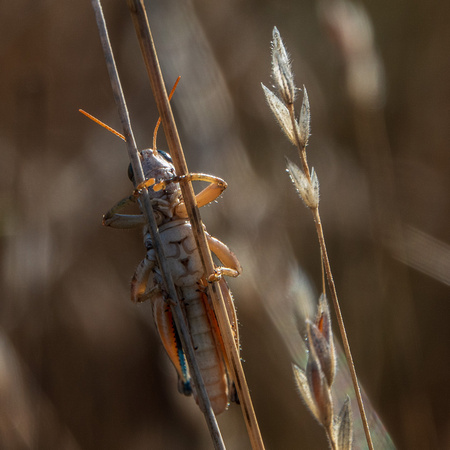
point(158, 186)
point(141, 186)
point(169, 302)
point(216, 276)
point(184, 387)
point(219, 272)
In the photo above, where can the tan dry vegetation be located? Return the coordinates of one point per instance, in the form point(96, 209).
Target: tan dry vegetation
point(82, 367)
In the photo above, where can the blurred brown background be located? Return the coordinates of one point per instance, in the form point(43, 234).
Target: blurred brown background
point(80, 366)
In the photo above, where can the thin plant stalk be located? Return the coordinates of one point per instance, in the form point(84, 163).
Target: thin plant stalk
point(158, 87)
point(149, 215)
point(306, 181)
point(332, 287)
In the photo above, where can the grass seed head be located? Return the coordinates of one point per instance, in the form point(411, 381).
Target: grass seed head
point(308, 191)
point(282, 74)
point(344, 426)
point(281, 113)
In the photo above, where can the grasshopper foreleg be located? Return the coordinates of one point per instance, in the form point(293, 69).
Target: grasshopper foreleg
point(210, 193)
point(231, 265)
point(115, 220)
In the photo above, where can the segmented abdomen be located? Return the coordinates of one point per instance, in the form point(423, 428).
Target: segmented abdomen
point(186, 270)
point(206, 346)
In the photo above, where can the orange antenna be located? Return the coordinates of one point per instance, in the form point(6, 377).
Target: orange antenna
point(112, 130)
point(102, 124)
point(159, 120)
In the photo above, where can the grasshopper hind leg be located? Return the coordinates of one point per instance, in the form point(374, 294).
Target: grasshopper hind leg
point(171, 341)
point(142, 285)
point(145, 287)
point(234, 395)
point(184, 381)
point(184, 387)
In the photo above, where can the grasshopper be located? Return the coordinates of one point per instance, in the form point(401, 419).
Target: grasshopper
point(187, 272)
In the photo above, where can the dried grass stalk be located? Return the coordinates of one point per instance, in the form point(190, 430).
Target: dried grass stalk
point(233, 359)
point(319, 372)
point(149, 215)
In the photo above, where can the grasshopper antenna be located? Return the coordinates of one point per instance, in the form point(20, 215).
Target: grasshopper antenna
point(112, 130)
point(159, 119)
point(90, 116)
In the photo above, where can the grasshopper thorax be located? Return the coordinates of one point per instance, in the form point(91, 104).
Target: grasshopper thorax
point(158, 165)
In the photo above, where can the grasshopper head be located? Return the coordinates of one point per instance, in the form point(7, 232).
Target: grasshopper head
point(157, 165)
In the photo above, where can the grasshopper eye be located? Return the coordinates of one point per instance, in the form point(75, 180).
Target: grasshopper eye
point(130, 173)
point(165, 155)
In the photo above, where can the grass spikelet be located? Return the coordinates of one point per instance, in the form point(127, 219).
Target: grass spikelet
point(280, 112)
point(281, 69)
point(343, 427)
point(316, 381)
point(308, 189)
point(315, 384)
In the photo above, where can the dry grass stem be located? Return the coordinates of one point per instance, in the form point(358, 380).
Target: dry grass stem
point(307, 185)
point(232, 353)
point(148, 212)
